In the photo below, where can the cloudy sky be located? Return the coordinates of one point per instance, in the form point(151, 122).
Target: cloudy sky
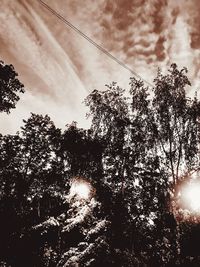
point(59, 68)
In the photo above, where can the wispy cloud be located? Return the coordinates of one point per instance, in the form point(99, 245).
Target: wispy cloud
point(60, 68)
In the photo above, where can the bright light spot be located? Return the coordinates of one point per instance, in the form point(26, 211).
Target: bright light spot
point(80, 189)
point(191, 196)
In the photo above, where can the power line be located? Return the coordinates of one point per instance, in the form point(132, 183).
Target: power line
point(65, 21)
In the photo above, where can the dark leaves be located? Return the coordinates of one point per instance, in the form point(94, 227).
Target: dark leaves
point(10, 87)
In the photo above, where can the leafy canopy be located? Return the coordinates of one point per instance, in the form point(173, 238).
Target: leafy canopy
point(10, 87)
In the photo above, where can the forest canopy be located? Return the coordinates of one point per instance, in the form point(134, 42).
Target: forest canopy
point(142, 147)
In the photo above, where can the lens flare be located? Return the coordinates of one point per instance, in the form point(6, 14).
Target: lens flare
point(191, 196)
point(80, 189)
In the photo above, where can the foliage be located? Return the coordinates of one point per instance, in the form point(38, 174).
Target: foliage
point(141, 146)
point(10, 87)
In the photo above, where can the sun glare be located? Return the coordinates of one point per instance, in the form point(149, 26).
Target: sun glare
point(80, 189)
point(191, 196)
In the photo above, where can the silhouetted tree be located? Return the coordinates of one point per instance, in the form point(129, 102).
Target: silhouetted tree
point(176, 124)
point(151, 145)
point(10, 87)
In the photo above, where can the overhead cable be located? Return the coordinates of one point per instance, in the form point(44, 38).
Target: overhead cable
point(102, 49)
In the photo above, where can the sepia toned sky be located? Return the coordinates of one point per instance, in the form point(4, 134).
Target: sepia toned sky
point(59, 68)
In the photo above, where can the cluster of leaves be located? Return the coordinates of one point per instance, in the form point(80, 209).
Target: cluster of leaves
point(141, 145)
point(10, 87)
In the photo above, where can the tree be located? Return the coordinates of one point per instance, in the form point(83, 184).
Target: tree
point(10, 87)
point(84, 234)
point(39, 136)
point(109, 112)
point(176, 124)
point(152, 143)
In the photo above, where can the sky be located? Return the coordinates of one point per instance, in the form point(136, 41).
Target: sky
point(59, 68)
